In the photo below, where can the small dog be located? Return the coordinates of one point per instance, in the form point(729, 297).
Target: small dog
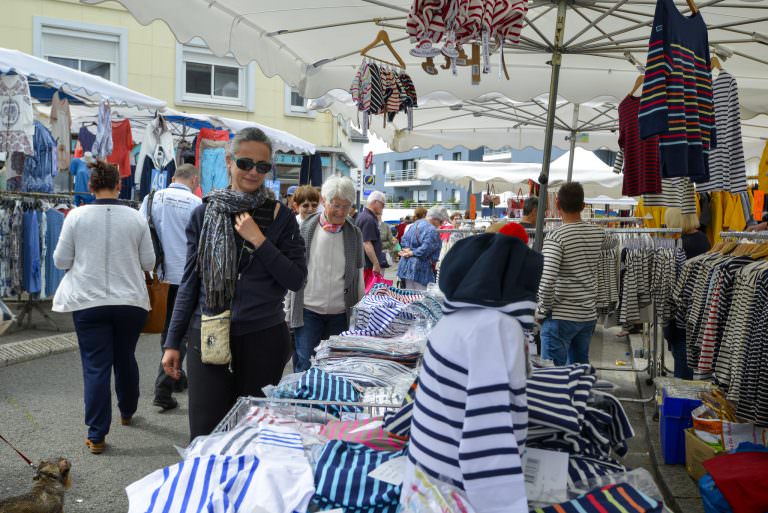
point(47, 495)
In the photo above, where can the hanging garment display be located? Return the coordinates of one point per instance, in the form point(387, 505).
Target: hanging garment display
point(154, 178)
point(456, 23)
point(675, 192)
point(157, 144)
point(209, 134)
point(81, 175)
point(677, 103)
point(727, 168)
point(16, 116)
point(61, 129)
point(311, 170)
point(42, 165)
point(640, 157)
point(122, 144)
point(379, 90)
point(86, 138)
point(102, 143)
point(213, 165)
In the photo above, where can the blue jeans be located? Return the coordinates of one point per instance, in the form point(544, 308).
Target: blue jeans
point(316, 328)
point(566, 342)
point(107, 336)
point(676, 338)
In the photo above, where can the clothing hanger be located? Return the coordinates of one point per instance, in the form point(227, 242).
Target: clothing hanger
point(638, 82)
point(692, 6)
point(383, 37)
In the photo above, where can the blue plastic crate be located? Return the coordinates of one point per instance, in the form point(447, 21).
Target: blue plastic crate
point(674, 419)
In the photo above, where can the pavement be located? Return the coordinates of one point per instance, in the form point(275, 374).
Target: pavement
point(41, 412)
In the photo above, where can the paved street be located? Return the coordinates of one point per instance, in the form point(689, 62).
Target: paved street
point(41, 412)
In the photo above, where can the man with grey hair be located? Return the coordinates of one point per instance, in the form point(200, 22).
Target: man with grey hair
point(530, 211)
point(368, 222)
point(171, 209)
point(334, 251)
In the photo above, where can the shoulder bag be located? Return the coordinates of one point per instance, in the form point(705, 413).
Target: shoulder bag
point(156, 289)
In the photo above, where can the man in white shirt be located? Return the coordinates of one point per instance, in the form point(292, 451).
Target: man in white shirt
point(171, 210)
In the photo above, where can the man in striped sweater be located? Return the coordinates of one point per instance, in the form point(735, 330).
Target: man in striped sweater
point(568, 288)
point(470, 415)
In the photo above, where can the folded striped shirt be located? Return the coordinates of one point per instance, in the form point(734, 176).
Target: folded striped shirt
point(620, 498)
point(225, 484)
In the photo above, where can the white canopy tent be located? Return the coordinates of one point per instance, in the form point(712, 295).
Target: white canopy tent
point(596, 176)
point(595, 52)
point(83, 87)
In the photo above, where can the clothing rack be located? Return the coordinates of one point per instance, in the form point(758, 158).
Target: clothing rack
point(648, 231)
point(32, 304)
point(744, 235)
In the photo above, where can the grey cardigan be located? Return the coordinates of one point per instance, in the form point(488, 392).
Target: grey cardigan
point(354, 261)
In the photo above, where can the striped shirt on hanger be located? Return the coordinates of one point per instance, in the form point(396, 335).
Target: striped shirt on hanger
point(568, 288)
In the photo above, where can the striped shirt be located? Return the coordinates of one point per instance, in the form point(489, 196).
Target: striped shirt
point(621, 498)
point(641, 157)
point(470, 418)
point(225, 484)
point(677, 102)
point(568, 287)
point(727, 169)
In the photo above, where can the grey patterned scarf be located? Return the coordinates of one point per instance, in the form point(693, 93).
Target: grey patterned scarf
point(217, 257)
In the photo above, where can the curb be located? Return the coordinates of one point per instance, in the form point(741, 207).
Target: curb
point(26, 350)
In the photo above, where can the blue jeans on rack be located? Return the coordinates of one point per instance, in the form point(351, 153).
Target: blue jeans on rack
point(316, 328)
point(566, 342)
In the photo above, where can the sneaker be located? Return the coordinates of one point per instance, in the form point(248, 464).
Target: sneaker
point(166, 403)
point(96, 447)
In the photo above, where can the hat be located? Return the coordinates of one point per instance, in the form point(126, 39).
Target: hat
point(291, 190)
point(491, 270)
point(515, 230)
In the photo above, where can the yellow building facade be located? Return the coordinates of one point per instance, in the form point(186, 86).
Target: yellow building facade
point(106, 40)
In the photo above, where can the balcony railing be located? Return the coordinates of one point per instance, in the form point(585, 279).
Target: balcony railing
point(401, 175)
point(425, 204)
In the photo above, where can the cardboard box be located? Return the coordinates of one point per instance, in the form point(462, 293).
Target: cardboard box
point(696, 453)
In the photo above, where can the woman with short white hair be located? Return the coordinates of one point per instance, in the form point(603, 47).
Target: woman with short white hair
point(334, 250)
point(421, 250)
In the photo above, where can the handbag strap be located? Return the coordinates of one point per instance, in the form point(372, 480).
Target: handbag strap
point(159, 259)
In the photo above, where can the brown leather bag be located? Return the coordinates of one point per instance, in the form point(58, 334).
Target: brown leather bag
point(158, 300)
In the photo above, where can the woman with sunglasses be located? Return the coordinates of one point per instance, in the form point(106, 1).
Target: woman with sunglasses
point(244, 252)
point(335, 261)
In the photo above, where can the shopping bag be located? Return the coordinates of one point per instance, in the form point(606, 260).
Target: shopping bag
point(374, 279)
point(158, 300)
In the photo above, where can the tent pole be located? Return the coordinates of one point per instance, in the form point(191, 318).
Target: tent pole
point(557, 57)
point(573, 141)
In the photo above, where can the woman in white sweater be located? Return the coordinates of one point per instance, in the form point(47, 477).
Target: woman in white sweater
point(105, 247)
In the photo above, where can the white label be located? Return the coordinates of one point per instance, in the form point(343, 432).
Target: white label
point(546, 475)
point(391, 471)
point(367, 427)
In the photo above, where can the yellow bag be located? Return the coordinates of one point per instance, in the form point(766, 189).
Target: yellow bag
point(214, 338)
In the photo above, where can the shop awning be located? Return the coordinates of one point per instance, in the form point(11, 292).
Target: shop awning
point(596, 176)
point(47, 77)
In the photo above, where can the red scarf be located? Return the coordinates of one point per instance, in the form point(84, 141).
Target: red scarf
point(328, 226)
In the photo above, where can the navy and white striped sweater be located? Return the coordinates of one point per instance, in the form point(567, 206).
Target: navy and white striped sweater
point(470, 417)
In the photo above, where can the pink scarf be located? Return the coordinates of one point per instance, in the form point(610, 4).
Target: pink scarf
point(328, 226)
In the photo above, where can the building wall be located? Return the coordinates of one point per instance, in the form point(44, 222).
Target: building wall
point(151, 56)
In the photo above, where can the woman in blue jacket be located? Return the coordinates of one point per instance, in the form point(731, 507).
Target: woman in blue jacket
point(421, 250)
point(244, 252)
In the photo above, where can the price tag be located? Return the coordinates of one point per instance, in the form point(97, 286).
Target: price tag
point(546, 475)
point(391, 471)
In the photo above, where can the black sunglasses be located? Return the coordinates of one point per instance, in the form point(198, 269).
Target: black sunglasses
point(247, 164)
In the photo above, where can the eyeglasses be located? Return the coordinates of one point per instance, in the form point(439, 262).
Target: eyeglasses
point(246, 164)
point(340, 208)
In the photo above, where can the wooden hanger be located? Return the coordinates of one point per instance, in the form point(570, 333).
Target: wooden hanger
point(638, 83)
point(383, 37)
point(715, 63)
point(692, 6)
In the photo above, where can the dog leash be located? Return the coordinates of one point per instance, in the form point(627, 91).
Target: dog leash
point(21, 454)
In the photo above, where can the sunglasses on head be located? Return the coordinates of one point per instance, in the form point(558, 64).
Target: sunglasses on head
point(247, 164)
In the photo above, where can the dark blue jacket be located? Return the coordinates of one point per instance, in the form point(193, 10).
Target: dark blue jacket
point(265, 276)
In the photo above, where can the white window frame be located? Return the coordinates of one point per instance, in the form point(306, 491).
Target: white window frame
point(416, 195)
point(457, 196)
point(423, 196)
point(119, 70)
point(438, 196)
point(295, 110)
point(199, 53)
